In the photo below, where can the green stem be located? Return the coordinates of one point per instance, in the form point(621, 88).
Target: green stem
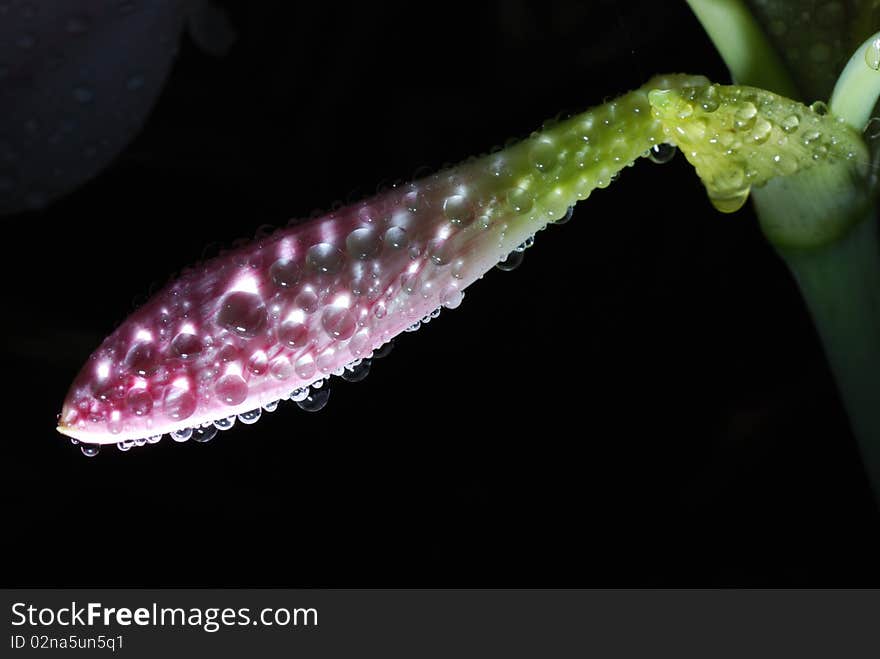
point(743, 45)
point(858, 87)
point(841, 285)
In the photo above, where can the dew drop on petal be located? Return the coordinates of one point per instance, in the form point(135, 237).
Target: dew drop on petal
point(363, 243)
point(284, 273)
point(250, 417)
point(90, 450)
point(243, 314)
point(316, 400)
point(139, 402)
point(457, 209)
point(396, 238)
point(231, 389)
point(324, 258)
point(178, 402)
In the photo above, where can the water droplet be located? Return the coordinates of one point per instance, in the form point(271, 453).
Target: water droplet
point(820, 108)
point(729, 202)
point(281, 368)
point(315, 400)
point(339, 322)
point(363, 243)
point(299, 394)
point(284, 273)
point(529, 242)
point(181, 435)
point(204, 434)
point(872, 128)
point(457, 209)
point(250, 417)
point(414, 327)
point(811, 136)
point(231, 389)
point(125, 444)
point(307, 300)
point(186, 345)
point(872, 55)
point(384, 350)
point(358, 372)
point(745, 116)
point(543, 155)
point(154, 439)
point(225, 423)
point(709, 99)
point(451, 297)
point(139, 402)
point(790, 123)
point(662, 153)
point(761, 131)
point(270, 407)
point(90, 450)
point(521, 200)
point(325, 258)
point(242, 313)
point(441, 251)
point(510, 262)
point(178, 402)
point(396, 238)
point(142, 359)
point(83, 94)
point(567, 217)
point(305, 366)
point(258, 364)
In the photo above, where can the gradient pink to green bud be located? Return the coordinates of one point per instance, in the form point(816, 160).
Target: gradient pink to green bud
point(246, 329)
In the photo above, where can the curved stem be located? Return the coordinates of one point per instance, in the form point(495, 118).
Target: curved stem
point(858, 87)
point(743, 45)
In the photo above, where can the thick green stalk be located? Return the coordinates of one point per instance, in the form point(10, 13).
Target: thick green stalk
point(822, 222)
point(841, 285)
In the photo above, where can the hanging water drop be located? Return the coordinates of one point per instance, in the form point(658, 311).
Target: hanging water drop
point(384, 350)
point(315, 401)
point(90, 450)
point(271, 407)
point(299, 394)
point(125, 444)
point(525, 245)
point(872, 128)
point(225, 423)
point(567, 217)
point(154, 439)
point(414, 327)
point(661, 154)
point(181, 435)
point(251, 416)
point(204, 434)
point(356, 372)
point(510, 262)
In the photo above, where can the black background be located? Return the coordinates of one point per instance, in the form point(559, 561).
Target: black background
point(642, 402)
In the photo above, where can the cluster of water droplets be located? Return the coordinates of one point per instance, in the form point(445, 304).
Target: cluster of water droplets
point(311, 398)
